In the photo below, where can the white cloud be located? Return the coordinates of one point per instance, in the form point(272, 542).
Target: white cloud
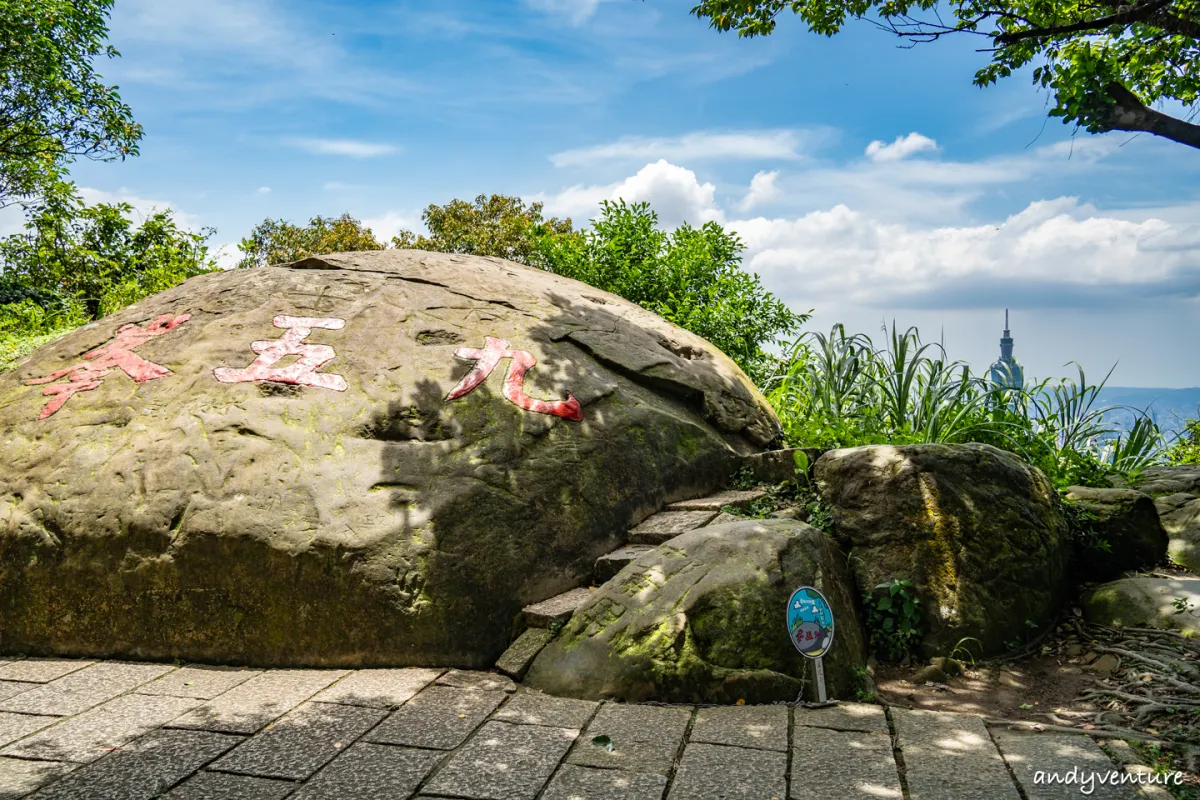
point(343, 147)
point(763, 191)
point(672, 191)
point(740, 145)
point(902, 148)
point(390, 223)
point(142, 206)
point(263, 190)
point(577, 11)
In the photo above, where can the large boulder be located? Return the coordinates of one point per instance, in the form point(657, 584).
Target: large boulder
point(979, 532)
point(1176, 493)
point(1157, 481)
point(1119, 531)
point(702, 618)
point(423, 444)
point(1146, 601)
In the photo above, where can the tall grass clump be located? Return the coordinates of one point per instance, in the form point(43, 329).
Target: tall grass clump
point(841, 390)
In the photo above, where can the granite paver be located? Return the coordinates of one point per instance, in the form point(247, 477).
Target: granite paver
point(556, 609)
point(302, 742)
point(201, 682)
point(738, 498)
point(40, 670)
point(503, 762)
point(83, 689)
point(142, 770)
point(379, 688)
point(225, 786)
point(439, 718)
point(95, 732)
point(13, 688)
point(584, 783)
point(667, 525)
point(519, 656)
point(848, 765)
point(608, 565)
point(1074, 757)
point(18, 726)
point(250, 706)
point(19, 777)
point(715, 772)
point(844, 717)
point(644, 738)
point(483, 681)
point(761, 727)
point(532, 708)
point(371, 772)
point(949, 757)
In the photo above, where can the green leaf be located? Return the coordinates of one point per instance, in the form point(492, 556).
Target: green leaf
point(884, 603)
point(603, 741)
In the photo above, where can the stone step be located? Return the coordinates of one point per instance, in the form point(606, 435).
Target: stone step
point(738, 498)
point(520, 654)
point(667, 525)
point(610, 564)
point(556, 609)
point(779, 466)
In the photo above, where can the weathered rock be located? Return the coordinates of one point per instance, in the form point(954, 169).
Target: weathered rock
point(979, 532)
point(669, 524)
point(1180, 517)
point(780, 466)
point(700, 618)
point(1145, 602)
point(1127, 521)
point(736, 498)
point(1168, 480)
point(520, 654)
point(555, 609)
point(212, 512)
point(610, 564)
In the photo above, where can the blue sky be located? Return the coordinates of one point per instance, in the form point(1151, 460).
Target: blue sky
point(869, 181)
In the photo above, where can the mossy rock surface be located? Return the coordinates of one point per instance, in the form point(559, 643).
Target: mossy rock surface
point(1157, 481)
point(980, 533)
point(1127, 521)
point(376, 522)
point(1144, 602)
point(702, 618)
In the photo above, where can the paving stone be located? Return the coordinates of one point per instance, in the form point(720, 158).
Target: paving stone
point(371, 772)
point(608, 565)
point(669, 524)
point(583, 783)
point(438, 718)
point(644, 738)
point(95, 732)
point(738, 498)
point(18, 726)
point(378, 688)
point(950, 756)
point(531, 708)
point(142, 770)
point(224, 786)
point(201, 682)
point(848, 765)
point(714, 772)
point(556, 609)
point(13, 688)
point(482, 681)
point(19, 777)
point(760, 727)
point(302, 742)
point(724, 518)
point(845, 717)
point(503, 762)
point(40, 670)
point(81, 690)
point(520, 654)
point(1037, 758)
point(250, 706)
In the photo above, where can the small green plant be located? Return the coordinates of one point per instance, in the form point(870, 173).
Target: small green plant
point(962, 652)
point(1080, 528)
point(893, 619)
point(859, 681)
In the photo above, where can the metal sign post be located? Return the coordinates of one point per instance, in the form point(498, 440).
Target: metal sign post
point(810, 627)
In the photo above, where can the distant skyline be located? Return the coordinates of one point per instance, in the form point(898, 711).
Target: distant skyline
point(870, 183)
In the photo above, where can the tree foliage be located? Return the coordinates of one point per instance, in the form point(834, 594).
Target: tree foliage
point(280, 242)
point(1105, 61)
point(494, 225)
point(54, 106)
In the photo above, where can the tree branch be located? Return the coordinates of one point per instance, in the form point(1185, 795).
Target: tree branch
point(1124, 16)
point(1128, 113)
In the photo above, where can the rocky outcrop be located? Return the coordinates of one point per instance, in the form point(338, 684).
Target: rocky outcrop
point(979, 532)
point(1145, 601)
point(362, 458)
point(1176, 493)
point(701, 618)
point(1119, 531)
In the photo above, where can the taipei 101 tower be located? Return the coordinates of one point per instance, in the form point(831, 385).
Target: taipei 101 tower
point(1007, 371)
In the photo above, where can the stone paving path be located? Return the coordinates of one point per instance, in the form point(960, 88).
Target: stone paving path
point(82, 730)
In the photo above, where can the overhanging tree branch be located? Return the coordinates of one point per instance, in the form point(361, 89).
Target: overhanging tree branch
point(1128, 113)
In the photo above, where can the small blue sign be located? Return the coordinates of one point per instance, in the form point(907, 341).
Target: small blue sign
point(810, 622)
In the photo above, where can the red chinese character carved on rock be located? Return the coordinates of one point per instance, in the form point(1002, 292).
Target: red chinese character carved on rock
point(117, 354)
point(489, 357)
point(303, 372)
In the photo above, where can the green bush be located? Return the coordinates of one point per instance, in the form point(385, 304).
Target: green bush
point(893, 619)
